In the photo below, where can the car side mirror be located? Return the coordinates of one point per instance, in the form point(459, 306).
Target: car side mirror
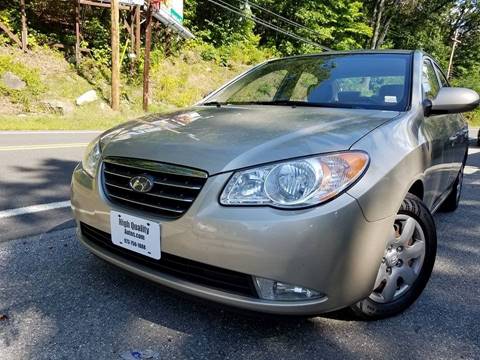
point(451, 100)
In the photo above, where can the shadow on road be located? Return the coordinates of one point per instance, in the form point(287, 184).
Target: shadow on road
point(41, 183)
point(67, 304)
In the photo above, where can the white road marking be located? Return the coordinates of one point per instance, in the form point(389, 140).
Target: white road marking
point(41, 147)
point(33, 209)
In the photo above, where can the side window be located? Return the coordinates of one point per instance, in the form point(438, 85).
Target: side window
point(443, 79)
point(430, 83)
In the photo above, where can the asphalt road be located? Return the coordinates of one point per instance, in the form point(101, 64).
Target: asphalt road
point(35, 169)
point(57, 301)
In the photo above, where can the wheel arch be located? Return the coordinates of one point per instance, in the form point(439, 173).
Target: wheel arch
point(417, 188)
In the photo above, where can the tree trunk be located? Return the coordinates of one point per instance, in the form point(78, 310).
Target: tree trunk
point(380, 7)
point(383, 34)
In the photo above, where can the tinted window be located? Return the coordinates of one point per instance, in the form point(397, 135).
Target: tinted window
point(430, 82)
point(368, 81)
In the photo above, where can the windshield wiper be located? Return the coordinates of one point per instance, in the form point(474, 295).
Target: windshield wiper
point(214, 103)
point(278, 103)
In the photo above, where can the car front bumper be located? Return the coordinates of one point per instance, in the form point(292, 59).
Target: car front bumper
point(331, 248)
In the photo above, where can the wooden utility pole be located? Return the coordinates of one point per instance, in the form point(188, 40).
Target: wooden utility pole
point(146, 62)
point(115, 55)
point(78, 54)
point(24, 25)
point(133, 59)
point(450, 63)
point(138, 31)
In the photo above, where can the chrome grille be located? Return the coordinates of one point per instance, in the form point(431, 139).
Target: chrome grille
point(175, 188)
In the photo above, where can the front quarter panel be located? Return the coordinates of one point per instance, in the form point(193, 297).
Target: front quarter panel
point(398, 157)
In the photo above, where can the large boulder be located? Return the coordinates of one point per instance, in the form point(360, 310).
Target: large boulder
point(12, 81)
point(88, 97)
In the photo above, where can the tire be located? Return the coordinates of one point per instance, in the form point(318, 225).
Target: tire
point(410, 266)
point(452, 201)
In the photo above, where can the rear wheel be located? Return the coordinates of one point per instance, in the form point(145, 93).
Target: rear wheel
point(453, 200)
point(406, 265)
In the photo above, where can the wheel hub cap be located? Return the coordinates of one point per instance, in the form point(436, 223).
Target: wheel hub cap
point(402, 260)
point(392, 258)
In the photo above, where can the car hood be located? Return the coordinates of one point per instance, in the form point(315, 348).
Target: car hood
point(221, 139)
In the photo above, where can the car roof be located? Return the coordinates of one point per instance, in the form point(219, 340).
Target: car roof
point(353, 52)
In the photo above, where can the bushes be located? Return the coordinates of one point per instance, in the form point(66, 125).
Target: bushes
point(30, 76)
point(471, 81)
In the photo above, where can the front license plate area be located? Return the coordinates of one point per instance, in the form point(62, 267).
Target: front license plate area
point(136, 234)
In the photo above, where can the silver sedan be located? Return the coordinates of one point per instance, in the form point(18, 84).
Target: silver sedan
point(303, 186)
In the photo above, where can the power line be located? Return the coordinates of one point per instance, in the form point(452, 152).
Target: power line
point(257, 20)
point(288, 21)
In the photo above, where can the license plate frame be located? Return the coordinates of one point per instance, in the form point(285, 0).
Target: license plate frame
point(137, 234)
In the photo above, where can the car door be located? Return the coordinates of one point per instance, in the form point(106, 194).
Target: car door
point(458, 139)
point(437, 132)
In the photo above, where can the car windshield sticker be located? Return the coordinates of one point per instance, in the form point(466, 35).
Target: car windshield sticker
point(391, 99)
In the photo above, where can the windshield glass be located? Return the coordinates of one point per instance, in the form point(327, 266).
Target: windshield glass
point(365, 81)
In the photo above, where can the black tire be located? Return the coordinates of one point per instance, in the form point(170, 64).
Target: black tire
point(369, 309)
point(451, 203)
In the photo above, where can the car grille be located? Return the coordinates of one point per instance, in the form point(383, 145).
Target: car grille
point(188, 270)
point(175, 188)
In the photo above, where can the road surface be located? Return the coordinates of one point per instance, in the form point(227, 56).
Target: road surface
point(36, 169)
point(57, 301)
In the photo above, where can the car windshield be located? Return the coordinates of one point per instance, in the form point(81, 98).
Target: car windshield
point(364, 81)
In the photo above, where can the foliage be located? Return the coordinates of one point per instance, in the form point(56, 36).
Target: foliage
point(30, 76)
point(228, 42)
point(472, 81)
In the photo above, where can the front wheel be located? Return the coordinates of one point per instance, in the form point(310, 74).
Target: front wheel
point(406, 265)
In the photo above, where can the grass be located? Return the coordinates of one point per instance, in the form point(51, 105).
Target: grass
point(176, 82)
point(55, 122)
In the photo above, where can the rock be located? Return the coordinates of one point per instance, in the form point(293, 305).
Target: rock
point(12, 81)
point(88, 97)
point(58, 107)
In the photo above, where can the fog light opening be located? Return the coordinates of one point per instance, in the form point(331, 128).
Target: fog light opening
point(279, 291)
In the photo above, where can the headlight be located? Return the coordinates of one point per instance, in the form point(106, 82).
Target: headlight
point(91, 158)
point(296, 183)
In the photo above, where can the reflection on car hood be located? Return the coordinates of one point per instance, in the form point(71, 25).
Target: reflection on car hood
point(232, 137)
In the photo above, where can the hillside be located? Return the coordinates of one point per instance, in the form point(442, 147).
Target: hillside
point(51, 86)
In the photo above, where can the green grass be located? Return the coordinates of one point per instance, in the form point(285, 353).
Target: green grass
point(89, 117)
point(54, 122)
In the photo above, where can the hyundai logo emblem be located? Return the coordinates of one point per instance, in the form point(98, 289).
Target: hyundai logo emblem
point(142, 183)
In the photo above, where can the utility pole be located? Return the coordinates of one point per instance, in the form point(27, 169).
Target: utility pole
point(78, 54)
point(115, 55)
point(138, 29)
point(455, 42)
point(24, 25)
point(146, 62)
